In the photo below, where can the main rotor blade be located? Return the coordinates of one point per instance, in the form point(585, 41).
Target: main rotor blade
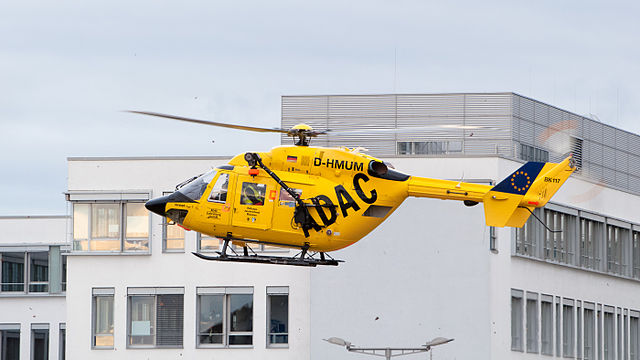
point(212, 123)
point(413, 129)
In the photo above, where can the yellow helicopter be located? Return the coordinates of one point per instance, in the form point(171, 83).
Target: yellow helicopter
point(323, 199)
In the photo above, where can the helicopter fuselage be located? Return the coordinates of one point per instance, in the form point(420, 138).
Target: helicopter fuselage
point(247, 203)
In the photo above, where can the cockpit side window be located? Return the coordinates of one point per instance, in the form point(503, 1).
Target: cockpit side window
point(219, 190)
point(253, 194)
point(196, 188)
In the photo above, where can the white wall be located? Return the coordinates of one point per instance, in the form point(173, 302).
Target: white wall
point(172, 269)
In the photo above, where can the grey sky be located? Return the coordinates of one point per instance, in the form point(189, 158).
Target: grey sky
point(68, 67)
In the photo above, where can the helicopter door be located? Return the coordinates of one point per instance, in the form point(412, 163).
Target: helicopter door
point(254, 199)
point(218, 205)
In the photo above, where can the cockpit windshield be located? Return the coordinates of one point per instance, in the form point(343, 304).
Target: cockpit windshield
point(195, 188)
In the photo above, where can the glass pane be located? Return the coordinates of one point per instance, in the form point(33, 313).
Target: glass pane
point(170, 308)
point(40, 344)
point(196, 188)
point(209, 243)
point(136, 245)
point(286, 199)
point(142, 320)
point(64, 273)
point(10, 341)
point(39, 272)
point(80, 221)
point(241, 310)
point(12, 271)
point(219, 191)
point(105, 245)
point(137, 225)
point(105, 221)
point(174, 237)
point(103, 320)
point(279, 318)
point(253, 194)
point(211, 318)
point(240, 339)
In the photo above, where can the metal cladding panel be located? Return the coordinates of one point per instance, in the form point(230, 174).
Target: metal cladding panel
point(634, 183)
point(594, 131)
point(634, 165)
point(622, 180)
point(409, 106)
point(595, 153)
point(622, 161)
point(527, 132)
point(634, 144)
point(526, 108)
point(493, 127)
point(576, 123)
point(487, 104)
point(373, 106)
point(556, 116)
point(609, 157)
point(622, 140)
point(609, 135)
point(541, 114)
point(304, 106)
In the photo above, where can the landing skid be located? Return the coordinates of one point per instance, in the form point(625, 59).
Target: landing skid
point(303, 258)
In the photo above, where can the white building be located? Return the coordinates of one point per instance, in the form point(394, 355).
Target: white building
point(32, 287)
point(432, 269)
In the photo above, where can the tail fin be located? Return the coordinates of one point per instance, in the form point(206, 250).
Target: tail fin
point(531, 186)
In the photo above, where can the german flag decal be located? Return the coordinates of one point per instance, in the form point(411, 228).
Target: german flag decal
point(292, 158)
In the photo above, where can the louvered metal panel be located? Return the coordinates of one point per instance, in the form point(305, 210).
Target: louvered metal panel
point(170, 320)
point(526, 108)
point(541, 114)
point(634, 183)
point(488, 104)
point(608, 135)
point(634, 165)
point(622, 180)
point(621, 161)
point(622, 140)
point(609, 157)
point(514, 120)
point(450, 105)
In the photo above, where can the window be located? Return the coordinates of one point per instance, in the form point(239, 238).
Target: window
point(589, 331)
point(13, 271)
point(194, 188)
point(590, 241)
point(31, 272)
point(10, 341)
point(636, 254)
point(546, 330)
point(219, 190)
point(277, 316)
point(532, 322)
point(225, 317)
point(39, 341)
point(530, 153)
point(558, 326)
point(528, 235)
point(428, 147)
point(634, 332)
point(516, 320)
point(253, 194)
point(208, 243)
point(609, 333)
point(102, 322)
point(567, 328)
point(558, 246)
point(576, 150)
point(616, 245)
point(286, 199)
point(156, 317)
point(62, 342)
point(619, 332)
point(38, 272)
point(579, 330)
point(110, 227)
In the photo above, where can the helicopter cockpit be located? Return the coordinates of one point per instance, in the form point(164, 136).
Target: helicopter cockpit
point(194, 188)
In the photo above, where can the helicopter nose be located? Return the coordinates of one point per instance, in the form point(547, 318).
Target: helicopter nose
point(157, 205)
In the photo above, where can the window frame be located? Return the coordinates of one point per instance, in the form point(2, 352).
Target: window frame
point(107, 293)
point(122, 228)
point(277, 291)
point(517, 321)
point(52, 289)
point(226, 293)
point(153, 292)
point(165, 233)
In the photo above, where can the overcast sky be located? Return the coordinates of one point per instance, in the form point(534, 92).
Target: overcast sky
point(67, 68)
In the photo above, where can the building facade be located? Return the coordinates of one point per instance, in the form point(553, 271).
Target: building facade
point(433, 269)
point(33, 286)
